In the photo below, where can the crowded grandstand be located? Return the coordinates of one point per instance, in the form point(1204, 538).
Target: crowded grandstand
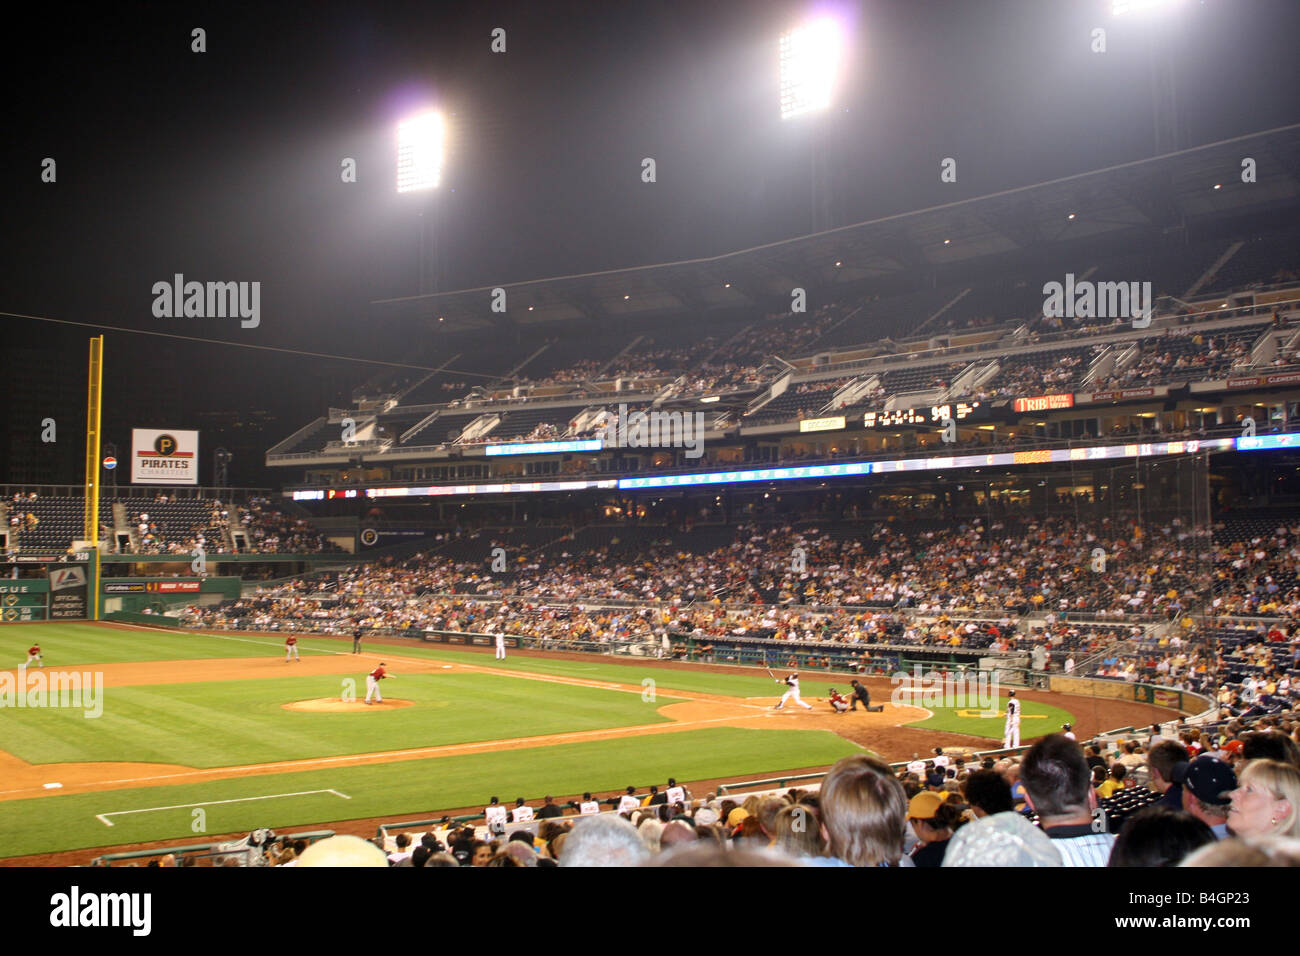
point(800, 515)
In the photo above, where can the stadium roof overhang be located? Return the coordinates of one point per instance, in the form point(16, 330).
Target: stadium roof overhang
point(1122, 201)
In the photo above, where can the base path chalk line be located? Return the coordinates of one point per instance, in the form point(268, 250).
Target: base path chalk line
point(103, 817)
point(428, 662)
point(417, 753)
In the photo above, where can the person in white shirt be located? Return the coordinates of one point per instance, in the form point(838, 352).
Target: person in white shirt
point(628, 802)
point(1011, 730)
point(1068, 731)
point(677, 794)
point(501, 645)
point(588, 806)
point(521, 813)
point(917, 766)
point(403, 851)
point(941, 760)
point(495, 816)
point(792, 691)
point(1058, 785)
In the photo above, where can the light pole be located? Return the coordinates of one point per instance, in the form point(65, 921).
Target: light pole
point(421, 150)
point(810, 58)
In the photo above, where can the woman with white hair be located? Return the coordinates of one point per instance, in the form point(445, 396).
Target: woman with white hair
point(1266, 801)
point(650, 830)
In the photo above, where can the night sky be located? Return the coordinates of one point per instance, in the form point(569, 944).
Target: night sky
point(225, 165)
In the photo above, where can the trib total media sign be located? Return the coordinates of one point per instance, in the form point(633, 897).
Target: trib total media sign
point(164, 457)
point(1043, 403)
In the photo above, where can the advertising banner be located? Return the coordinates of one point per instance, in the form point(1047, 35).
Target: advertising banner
point(164, 457)
point(68, 593)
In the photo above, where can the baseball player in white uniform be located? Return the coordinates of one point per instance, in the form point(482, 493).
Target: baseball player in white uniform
point(522, 813)
point(1011, 732)
point(494, 815)
point(629, 801)
point(588, 806)
point(501, 645)
point(792, 691)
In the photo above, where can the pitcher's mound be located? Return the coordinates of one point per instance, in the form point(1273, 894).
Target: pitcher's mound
point(333, 705)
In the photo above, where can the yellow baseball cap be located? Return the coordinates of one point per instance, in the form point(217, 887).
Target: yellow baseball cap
point(737, 816)
point(925, 805)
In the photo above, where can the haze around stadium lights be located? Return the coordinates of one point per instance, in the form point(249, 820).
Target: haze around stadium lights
point(421, 142)
point(810, 63)
point(1120, 8)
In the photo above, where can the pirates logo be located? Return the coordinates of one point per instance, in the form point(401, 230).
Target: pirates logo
point(165, 445)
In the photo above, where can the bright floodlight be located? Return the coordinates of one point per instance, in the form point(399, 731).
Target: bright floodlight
point(1120, 8)
point(810, 60)
point(419, 152)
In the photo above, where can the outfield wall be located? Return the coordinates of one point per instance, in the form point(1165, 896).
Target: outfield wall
point(135, 594)
point(1181, 700)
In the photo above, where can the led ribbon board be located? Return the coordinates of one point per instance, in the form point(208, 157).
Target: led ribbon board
point(848, 469)
point(544, 447)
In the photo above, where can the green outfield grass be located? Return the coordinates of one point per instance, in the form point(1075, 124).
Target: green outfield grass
point(236, 722)
point(56, 823)
point(66, 645)
point(1036, 720)
point(227, 723)
point(80, 644)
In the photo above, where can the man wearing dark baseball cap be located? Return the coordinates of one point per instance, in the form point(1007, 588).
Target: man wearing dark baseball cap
point(1206, 787)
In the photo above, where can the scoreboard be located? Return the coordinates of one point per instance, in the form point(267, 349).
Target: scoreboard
point(924, 415)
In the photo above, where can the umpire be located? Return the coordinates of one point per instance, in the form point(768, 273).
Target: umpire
point(356, 640)
point(860, 693)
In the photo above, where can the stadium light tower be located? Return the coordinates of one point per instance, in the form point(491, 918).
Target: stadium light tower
point(810, 65)
point(421, 140)
point(1121, 8)
point(811, 57)
point(1166, 47)
point(421, 150)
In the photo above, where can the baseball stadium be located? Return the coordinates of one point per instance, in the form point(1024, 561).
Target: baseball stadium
point(646, 536)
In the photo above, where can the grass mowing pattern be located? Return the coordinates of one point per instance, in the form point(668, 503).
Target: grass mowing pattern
point(53, 824)
point(226, 723)
point(69, 645)
point(1036, 720)
point(80, 644)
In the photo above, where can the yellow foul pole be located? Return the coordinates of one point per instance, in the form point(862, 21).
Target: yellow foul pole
point(93, 396)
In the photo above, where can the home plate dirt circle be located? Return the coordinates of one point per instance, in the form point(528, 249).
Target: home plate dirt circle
point(333, 705)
